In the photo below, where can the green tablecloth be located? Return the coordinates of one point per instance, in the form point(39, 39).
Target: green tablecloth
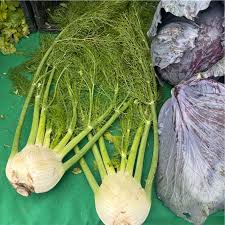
point(71, 202)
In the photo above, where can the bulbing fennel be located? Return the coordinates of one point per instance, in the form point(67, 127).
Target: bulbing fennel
point(34, 169)
point(120, 198)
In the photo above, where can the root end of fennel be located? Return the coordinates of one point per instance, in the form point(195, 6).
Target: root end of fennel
point(121, 200)
point(34, 169)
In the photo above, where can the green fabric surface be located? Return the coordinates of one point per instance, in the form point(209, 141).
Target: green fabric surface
point(71, 202)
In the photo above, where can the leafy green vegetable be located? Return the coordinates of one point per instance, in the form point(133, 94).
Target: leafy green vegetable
point(12, 25)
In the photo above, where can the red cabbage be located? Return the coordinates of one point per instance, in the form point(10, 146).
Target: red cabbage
point(183, 48)
point(191, 169)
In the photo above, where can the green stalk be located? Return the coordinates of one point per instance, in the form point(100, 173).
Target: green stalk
point(69, 133)
point(133, 151)
point(35, 121)
point(73, 122)
point(64, 140)
point(74, 141)
point(124, 150)
point(36, 112)
point(140, 160)
point(105, 156)
point(84, 133)
point(91, 97)
point(47, 138)
point(55, 140)
point(79, 155)
point(89, 175)
point(98, 158)
point(95, 149)
point(15, 145)
point(42, 122)
point(152, 171)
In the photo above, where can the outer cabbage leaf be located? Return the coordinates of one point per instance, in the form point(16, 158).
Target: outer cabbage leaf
point(191, 169)
point(179, 8)
point(217, 70)
point(171, 43)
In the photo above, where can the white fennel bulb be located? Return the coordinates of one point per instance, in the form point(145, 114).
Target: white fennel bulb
point(34, 169)
point(121, 200)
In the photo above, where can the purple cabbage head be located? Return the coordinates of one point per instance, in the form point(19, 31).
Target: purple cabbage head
point(182, 47)
point(179, 8)
point(191, 169)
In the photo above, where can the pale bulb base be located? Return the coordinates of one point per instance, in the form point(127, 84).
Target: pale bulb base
point(122, 200)
point(34, 169)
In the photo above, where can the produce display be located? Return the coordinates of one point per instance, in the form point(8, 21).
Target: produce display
point(93, 88)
